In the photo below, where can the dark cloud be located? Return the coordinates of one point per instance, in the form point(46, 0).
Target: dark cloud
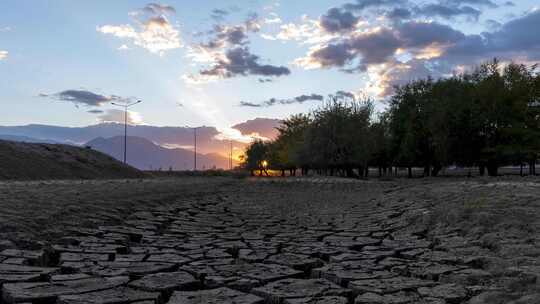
point(231, 36)
point(332, 55)
point(265, 80)
point(420, 34)
point(219, 14)
point(518, 35)
point(338, 20)
point(84, 97)
point(493, 24)
point(448, 11)
point(369, 48)
point(364, 4)
point(228, 54)
point(405, 9)
point(249, 104)
point(240, 62)
point(399, 13)
point(374, 47)
point(513, 39)
point(158, 9)
point(303, 98)
point(484, 3)
point(273, 101)
point(95, 111)
point(430, 48)
point(345, 94)
point(235, 35)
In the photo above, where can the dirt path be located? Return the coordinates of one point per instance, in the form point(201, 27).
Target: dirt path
point(272, 241)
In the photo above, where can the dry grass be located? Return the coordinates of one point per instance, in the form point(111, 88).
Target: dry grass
point(26, 161)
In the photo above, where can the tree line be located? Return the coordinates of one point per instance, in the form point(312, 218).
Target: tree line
point(487, 118)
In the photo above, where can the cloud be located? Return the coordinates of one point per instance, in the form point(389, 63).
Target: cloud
point(345, 94)
point(273, 19)
point(152, 31)
point(239, 61)
point(404, 9)
point(219, 14)
point(360, 5)
point(123, 47)
point(158, 9)
point(273, 101)
point(226, 134)
point(416, 34)
point(517, 36)
point(337, 20)
point(84, 97)
point(227, 54)
point(398, 73)
point(95, 111)
point(373, 47)
point(399, 13)
point(3, 55)
point(480, 3)
point(448, 11)
point(307, 32)
point(118, 116)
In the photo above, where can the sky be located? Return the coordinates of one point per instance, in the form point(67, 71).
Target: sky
point(218, 63)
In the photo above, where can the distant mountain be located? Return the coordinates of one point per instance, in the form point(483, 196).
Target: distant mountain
point(161, 135)
point(263, 126)
point(171, 137)
point(145, 155)
point(26, 139)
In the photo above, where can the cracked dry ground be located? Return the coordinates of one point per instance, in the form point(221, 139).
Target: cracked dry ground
point(280, 241)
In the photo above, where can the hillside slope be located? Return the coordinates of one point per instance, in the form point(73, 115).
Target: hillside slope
point(29, 161)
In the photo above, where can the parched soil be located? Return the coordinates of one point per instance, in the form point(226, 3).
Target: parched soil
point(294, 240)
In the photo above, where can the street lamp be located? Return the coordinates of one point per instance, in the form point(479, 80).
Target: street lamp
point(126, 106)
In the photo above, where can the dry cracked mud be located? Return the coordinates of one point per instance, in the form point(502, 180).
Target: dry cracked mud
point(295, 241)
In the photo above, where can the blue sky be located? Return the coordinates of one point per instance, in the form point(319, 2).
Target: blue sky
point(62, 62)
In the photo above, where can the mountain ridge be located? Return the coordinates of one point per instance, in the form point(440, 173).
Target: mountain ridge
point(146, 155)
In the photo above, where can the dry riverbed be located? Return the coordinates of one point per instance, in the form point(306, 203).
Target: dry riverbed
point(302, 240)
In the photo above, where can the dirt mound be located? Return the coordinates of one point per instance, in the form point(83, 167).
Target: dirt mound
point(29, 161)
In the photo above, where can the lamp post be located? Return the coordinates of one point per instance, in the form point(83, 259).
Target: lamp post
point(126, 106)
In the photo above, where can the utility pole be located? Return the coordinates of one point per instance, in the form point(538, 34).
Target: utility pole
point(126, 106)
point(231, 156)
point(194, 145)
point(195, 149)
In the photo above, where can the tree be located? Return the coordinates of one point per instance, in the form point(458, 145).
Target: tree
point(487, 118)
point(256, 154)
point(291, 143)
